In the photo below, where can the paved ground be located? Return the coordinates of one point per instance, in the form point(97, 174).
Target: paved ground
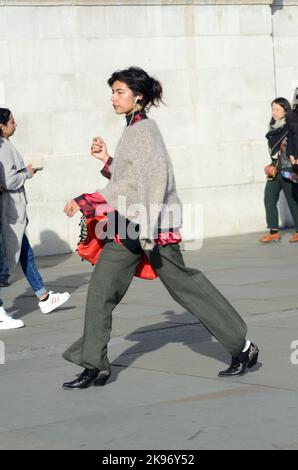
point(164, 392)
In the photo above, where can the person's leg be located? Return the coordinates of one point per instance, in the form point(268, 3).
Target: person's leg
point(4, 270)
point(4, 275)
point(48, 301)
point(109, 282)
point(191, 289)
point(30, 270)
point(291, 194)
point(272, 191)
point(271, 196)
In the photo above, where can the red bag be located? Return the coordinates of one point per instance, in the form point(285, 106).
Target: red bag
point(91, 247)
point(144, 269)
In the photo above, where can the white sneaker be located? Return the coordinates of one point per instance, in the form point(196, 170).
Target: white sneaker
point(9, 323)
point(54, 301)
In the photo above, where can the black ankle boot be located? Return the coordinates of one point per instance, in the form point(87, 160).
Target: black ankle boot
point(83, 381)
point(102, 378)
point(239, 363)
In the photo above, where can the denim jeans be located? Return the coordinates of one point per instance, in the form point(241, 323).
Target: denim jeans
point(4, 271)
point(29, 268)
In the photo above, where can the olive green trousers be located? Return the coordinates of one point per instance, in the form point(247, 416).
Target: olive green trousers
point(189, 287)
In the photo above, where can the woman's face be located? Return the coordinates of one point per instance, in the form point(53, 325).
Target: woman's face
point(9, 128)
point(123, 99)
point(278, 112)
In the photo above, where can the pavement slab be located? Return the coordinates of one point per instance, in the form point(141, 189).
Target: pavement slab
point(164, 392)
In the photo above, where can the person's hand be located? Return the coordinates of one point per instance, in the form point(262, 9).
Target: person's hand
point(292, 159)
point(71, 208)
point(99, 149)
point(30, 169)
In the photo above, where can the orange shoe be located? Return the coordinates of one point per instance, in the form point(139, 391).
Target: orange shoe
point(294, 238)
point(272, 237)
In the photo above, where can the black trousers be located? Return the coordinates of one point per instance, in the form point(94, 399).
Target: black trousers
point(272, 192)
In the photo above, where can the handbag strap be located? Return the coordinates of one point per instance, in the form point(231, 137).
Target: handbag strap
point(279, 141)
point(83, 229)
point(277, 160)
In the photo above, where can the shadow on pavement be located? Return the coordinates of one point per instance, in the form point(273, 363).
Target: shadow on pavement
point(153, 337)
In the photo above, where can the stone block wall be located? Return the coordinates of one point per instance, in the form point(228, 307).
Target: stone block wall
point(221, 63)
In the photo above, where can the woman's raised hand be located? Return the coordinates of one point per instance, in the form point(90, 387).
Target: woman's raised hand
point(99, 149)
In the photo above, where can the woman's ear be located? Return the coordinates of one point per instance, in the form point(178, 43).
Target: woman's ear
point(138, 97)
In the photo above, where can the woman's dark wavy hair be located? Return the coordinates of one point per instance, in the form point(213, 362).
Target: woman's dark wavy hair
point(4, 117)
point(284, 103)
point(139, 82)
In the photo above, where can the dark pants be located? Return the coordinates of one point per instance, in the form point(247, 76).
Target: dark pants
point(189, 287)
point(272, 192)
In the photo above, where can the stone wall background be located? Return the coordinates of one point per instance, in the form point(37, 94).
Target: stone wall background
point(220, 63)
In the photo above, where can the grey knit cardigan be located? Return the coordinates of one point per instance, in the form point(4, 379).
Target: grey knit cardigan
point(142, 187)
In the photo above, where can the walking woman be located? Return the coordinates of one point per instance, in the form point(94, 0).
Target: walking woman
point(6, 321)
point(282, 143)
point(141, 174)
point(13, 176)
